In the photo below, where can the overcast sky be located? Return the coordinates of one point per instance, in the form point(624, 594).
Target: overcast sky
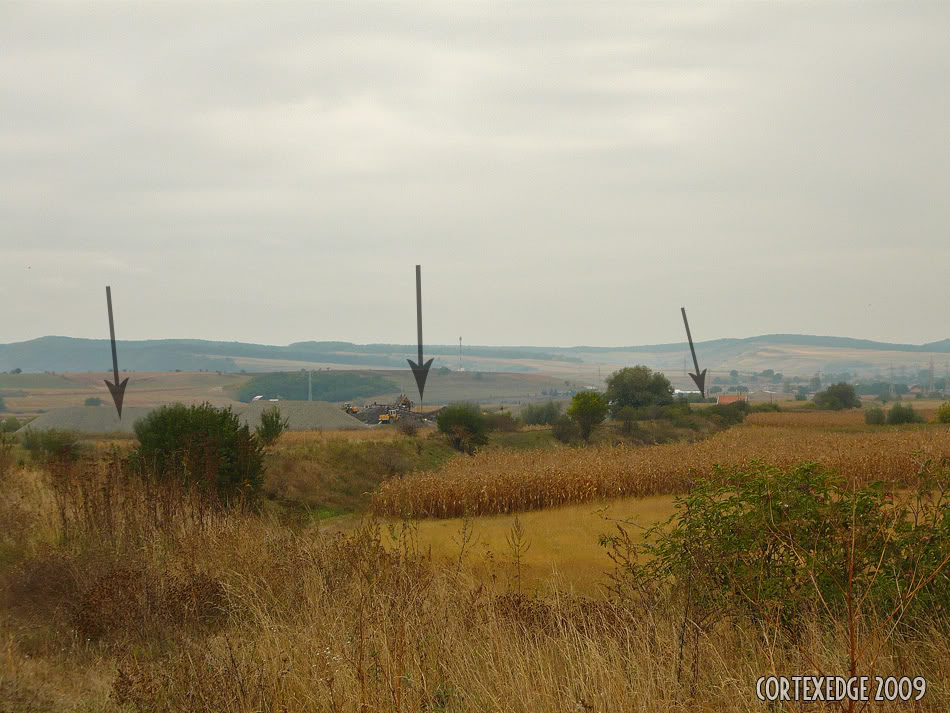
point(565, 173)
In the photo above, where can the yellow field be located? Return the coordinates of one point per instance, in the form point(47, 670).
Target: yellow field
point(497, 481)
point(563, 542)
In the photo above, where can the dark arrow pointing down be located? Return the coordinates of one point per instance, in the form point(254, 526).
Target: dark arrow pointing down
point(117, 390)
point(700, 376)
point(420, 372)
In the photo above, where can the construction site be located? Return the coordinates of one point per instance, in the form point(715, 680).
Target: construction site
point(402, 410)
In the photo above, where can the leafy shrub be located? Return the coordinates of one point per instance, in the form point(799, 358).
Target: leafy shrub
point(943, 413)
point(501, 421)
point(726, 414)
point(587, 409)
point(201, 445)
point(773, 542)
point(464, 426)
point(898, 413)
point(271, 426)
point(564, 429)
point(540, 414)
point(875, 416)
point(9, 425)
point(764, 408)
point(52, 444)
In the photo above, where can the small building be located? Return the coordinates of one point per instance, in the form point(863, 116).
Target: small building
point(723, 399)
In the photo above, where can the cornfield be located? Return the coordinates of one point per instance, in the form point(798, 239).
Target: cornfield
point(504, 481)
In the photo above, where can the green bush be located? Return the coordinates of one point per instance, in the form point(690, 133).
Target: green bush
point(943, 413)
point(464, 426)
point(52, 444)
point(588, 409)
point(564, 429)
point(201, 445)
point(764, 408)
point(9, 425)
point(540, 414)
point(271, 426)
point(501, 421)
point(898, 413)
point(726, 414)
point(767, 542)
point(875, 416)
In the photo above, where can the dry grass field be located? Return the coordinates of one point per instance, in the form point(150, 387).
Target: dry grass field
point(202, 611)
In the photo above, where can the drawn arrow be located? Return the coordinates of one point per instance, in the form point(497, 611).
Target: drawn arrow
point(700, 376)
point(420, 372)
point(117, 390)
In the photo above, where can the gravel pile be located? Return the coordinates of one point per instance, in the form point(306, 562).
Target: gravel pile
point(303, 415)
point(88, 419)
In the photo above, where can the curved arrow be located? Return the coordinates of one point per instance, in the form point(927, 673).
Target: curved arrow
point(420, 370)
point(117, 389)
point(700, 376)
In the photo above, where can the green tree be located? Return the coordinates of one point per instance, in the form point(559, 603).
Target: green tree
point(716, 390)
point(203, 446)
point(638, 386)
point(875, 416)
point(10, 425)
point(3, 406)
point(943, 413)
point(838, 396)
point(271, 426)
point(463, 425)
point(588, 409)
point(93, 401)
point(815, 383)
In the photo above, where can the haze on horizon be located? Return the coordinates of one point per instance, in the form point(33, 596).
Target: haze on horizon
point(565, 174)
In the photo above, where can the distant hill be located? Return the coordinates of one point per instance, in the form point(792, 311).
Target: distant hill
point(71, 354)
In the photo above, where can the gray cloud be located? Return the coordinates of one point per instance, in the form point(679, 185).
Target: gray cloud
point(565, 173)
